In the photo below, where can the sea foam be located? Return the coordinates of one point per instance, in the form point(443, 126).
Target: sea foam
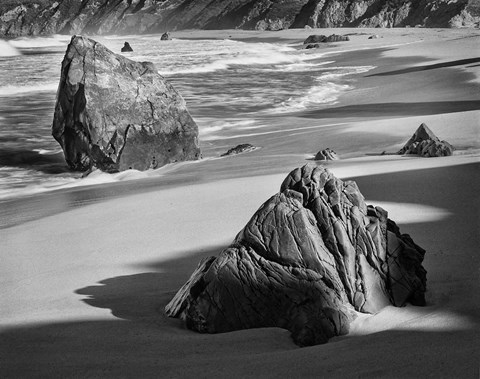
point(7, 50)
point(10, 90)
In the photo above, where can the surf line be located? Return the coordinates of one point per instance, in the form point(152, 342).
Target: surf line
point(276, 131)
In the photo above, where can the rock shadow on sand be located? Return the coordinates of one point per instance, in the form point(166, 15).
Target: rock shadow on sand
point(151, 345)
point(459, 62)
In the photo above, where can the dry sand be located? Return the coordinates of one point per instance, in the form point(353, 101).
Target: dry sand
point(85, 273)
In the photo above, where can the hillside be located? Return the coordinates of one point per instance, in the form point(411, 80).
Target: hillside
point(37, 17)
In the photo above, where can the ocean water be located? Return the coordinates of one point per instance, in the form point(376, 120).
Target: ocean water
point(232, 88)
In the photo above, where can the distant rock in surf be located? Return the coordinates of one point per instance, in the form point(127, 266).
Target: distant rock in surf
point(114, 114)
point(126, 47)
point(242, 148)
point(308, 257)
point(337, 38)
point(312, 46)
point(315, 38)
point(320, 38)
point(375, 36)
point(165, 36)
point(426, 144)
point(326, 155)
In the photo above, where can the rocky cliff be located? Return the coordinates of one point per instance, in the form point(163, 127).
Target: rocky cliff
point(36, 17)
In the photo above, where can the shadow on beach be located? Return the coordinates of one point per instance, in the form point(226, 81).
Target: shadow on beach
point(144, 342)
point(395, 109)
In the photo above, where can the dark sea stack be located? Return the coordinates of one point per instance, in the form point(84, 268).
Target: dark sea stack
point(315, 38)
point(165, 37)
point(126, 47)
point(326, 155)
point(308, 257)
point(337, 38)
point(239, 149)
point(319, 38)
point(426, 144)
point(114, 114)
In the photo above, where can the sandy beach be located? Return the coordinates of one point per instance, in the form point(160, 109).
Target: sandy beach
point(86, 272)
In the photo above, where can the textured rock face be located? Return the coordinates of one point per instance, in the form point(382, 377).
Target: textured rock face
point(426, 144)
point(316, 38)
point(326, 155)
point(36, 17)
point(113, 113)
point(309, 256)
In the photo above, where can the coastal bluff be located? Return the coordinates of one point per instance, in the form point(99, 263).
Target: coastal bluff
point(113, 113)
point(44, 17)
point(311, 256)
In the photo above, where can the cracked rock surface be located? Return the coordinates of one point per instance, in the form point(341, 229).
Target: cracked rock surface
point(426, 144)
point(308, 258)
point(114, 114)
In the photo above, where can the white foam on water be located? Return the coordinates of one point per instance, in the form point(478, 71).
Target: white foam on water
point(38, 42)
point(321, 94)
point(47, 152)
point(325, 92)
point(8, 50)
point(237, 54)
point(21, 89)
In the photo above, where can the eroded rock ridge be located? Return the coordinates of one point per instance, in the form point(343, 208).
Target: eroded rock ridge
point(309, 257)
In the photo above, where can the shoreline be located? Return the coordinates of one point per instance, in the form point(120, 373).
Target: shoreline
point(87, 271)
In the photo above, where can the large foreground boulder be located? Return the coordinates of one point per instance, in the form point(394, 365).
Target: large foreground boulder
point(309, 257)
point(114, 114)
point(426, 144)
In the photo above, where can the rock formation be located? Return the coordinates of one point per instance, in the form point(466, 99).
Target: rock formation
point(426, 144)
point(126, 47)
point(319, 38)
point(113, 113)
point(165, 37)
point(35, 17)
point(326, 155)
point(309, 257)
point(242, 148)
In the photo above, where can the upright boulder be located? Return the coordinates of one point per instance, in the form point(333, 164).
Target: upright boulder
point(426, 144)
point(165, 37)
point(126, 47)
point(309, 257)
point(114, 114)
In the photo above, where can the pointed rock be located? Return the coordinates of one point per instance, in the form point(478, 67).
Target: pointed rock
point(309, 256)
point(426, 144)
point(114, 114)
point(326, 155)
